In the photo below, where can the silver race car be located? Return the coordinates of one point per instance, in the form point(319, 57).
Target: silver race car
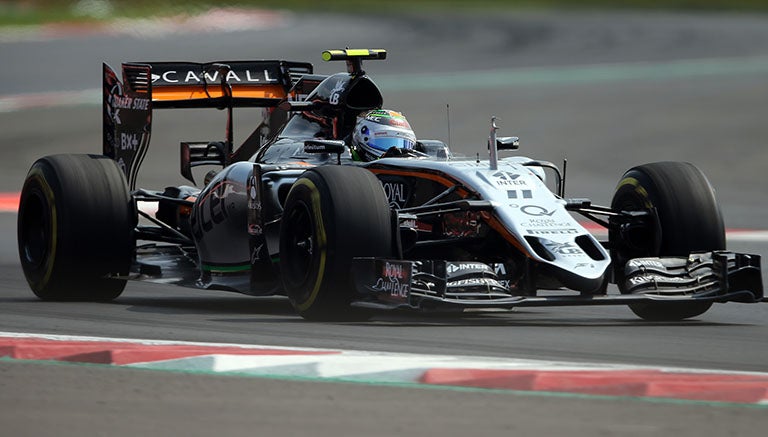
point(294, 211)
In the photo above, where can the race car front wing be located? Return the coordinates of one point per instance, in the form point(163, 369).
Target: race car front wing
point(719, 276)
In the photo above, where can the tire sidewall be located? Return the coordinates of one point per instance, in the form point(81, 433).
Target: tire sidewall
point(685, 218)
point(303, 289)
point(37, 188)
point(89, 221)
point(350, 218)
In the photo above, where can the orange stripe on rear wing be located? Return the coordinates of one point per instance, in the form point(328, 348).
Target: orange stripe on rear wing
point(165, 94)
point(199, 97)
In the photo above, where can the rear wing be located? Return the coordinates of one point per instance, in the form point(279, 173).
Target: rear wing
point(196, 85)
point(128, 104)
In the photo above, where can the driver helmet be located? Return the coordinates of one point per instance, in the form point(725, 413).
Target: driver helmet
point(379, 130)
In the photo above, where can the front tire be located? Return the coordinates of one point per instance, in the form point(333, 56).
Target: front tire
point(331, 215)
point(688, 219)
point(75, 227)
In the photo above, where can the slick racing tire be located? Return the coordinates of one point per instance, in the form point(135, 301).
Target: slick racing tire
point(687, 219)
point(75, 227)
point(332, 214)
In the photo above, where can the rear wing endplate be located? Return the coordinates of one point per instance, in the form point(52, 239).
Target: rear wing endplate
point(127, 117)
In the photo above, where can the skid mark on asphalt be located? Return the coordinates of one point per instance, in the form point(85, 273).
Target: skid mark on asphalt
point(505, 374)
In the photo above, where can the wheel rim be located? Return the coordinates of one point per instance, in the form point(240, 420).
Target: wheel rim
point(300, 253)
point(35, 229)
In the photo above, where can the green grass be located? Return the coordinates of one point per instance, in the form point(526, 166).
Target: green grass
point(16, 12)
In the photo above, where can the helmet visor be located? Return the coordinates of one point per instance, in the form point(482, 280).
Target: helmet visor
point(386, 143)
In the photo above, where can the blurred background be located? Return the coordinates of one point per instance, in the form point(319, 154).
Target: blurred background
point(36, 11)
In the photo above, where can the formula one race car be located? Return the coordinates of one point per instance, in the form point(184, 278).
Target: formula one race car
point(293, 212)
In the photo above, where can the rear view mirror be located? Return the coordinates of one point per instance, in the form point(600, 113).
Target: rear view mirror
point(324, 146)
point(508, 143)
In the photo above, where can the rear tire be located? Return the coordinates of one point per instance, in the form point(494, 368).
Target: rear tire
point(689, 220)
point(331, 215)
point(75, 227)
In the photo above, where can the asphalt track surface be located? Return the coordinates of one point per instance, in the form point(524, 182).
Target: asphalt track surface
point(605, 90)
